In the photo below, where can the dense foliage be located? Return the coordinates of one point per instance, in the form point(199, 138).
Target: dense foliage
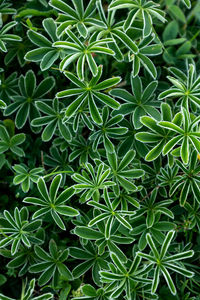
point(100, 149)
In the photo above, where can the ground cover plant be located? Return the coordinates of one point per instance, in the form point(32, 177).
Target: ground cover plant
point(100, 149)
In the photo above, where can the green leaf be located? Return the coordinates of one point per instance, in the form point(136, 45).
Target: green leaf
point(179, 256)
point(89, 290)
point(149, 66)
point(48, 59)
point(156, 279)
point(96, 117)
point(67, 211)
point(57, 219)
point(155, 152)
point(55, 184)
point(38, 39)
point(43, 189)
point(185, 150)
point(177, 13)
point(46, 276)
point(64, 271)
point(88, 233)
point(147, 23)
point(92, 64)
point(108, 83)
point(73, 107)
point(81, 269)
point(64, 196)
point(171, 144)
point(126, 40)
point(166, 243)
point(171, 126)
point(187, 3)
point(107, 100)
point(127, 159)
point(168, 280)
point(63, 7)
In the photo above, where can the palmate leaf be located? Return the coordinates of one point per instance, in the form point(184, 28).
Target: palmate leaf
point(81, 52)
point(76, 16)
point(151, 209)
point(16, 229)
point(25, 176)
point(139, 53)
point(91, 260)
point(121, 174)
point(148, 10)
point(91, 181)
point(188, 181)
point(145, 50)
point(108, 130)
point(51, 202)
point(185, 88)
point(102, 241)
point(23, 104)
point(184, 136)
point(88, 93)
point(110, 214)
point(157, 135)
point(52, 120)
point(51, 265)
point(173, 135)
point(160, 261)
point(120, 278)
point(110, 24)
point(46, 54)
point(11, 143)
point(140, 102)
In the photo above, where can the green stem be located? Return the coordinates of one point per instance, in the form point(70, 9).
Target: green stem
point(194, 36)
point(59, 172)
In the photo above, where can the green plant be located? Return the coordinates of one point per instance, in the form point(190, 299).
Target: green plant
point(50, 264)
point(88, 93)
point(52, 203)
point(92, 260)
point(99, 149)
point(121, 172)
point(106, 130)
point(24, 103)
point(82, 52)
point(159, 135)
point(20, 230)
point(76, 16)
point(140, 102)
point(11, 143)
point(25, 176)
point(45, 53)
point(186, 87)
point(149, 207)
point(53, 120)
point(139, 7)
point(188, 181)
point(127, 278)
point(162, 262)
point(5, 37)
point(110, 214)
point(90, 184)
